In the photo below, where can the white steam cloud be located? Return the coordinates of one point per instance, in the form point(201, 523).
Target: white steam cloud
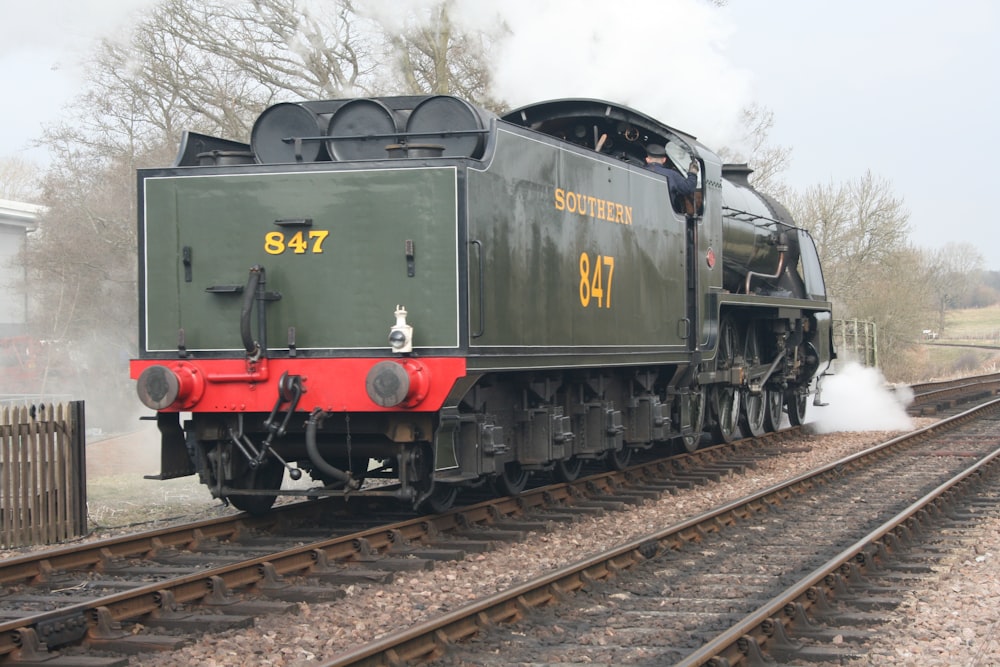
point(858, 399)
point(664, 58)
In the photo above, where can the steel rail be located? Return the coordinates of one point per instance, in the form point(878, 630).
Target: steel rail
point(922, 387)
point(89, 617)
point(949, 391)
point(745, 640)
point(428, 639)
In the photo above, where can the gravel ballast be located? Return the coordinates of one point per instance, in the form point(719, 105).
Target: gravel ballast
point(953, 622)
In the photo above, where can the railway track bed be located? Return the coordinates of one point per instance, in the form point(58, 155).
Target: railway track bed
point(150, 559)
point(788, 572)
point(407, 585)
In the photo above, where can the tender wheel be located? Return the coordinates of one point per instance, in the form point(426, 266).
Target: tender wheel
point(618, 459)
point(773, 404)
point(264, 477)
point(512, 480)
point(568, 469)
point(725, 399)
point(796, 402)
point(699, 406)
point(440, 500)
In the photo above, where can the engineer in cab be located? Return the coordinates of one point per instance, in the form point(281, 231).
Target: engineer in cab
point(681, 186)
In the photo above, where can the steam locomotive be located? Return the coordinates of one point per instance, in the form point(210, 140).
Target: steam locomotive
point(417, 289)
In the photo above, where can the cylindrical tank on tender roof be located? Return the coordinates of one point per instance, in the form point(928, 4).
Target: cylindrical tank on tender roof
point(362, 129)
point(752, 239)
point(449, 122)
point(270, 136)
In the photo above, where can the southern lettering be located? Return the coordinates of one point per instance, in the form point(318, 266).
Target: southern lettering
point(600, 209)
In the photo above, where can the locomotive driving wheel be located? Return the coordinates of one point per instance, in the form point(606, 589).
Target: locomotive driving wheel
point(774, 400)
point(725, 398)
point(796, 402)
point(752, 405)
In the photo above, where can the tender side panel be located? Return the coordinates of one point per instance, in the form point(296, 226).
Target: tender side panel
point(340, 275)
point(576, 253)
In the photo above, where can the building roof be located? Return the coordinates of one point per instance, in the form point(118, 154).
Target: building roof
point(21, 214)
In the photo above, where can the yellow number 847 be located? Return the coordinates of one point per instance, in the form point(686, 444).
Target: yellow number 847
point(275, 243)
point(593, 284)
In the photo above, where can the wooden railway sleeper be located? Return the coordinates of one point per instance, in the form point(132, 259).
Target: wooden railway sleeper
point(173, 616)
point(779, 644)
point(32, 651)
point(61, 630)
point(750, 648)
point(270, 579)
point(799, 617)
point(107, 634)
point(218, 593)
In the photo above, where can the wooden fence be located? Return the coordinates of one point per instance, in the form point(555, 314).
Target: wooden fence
point(43, 474)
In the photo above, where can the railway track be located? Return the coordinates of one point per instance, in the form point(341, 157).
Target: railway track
point(758, 576)
point(218, 574)
point(942, 397)
point(223, 573)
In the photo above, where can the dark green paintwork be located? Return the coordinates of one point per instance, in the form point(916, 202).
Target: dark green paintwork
point(343, 297)
point(532, 250)
point(528, 306)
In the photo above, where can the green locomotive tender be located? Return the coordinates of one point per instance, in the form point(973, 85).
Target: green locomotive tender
point(415, 288)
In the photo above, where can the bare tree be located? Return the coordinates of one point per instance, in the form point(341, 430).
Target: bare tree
point(20, 179)
point(951, 273)
point(860, 228)
point(434, 53)
point(856, 225)
point(767, 160)
point(81, 272)
point(895, 299)
point(213, 65)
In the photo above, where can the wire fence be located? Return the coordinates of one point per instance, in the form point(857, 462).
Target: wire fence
point(857, 341)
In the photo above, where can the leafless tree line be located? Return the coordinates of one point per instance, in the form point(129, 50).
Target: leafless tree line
point(861, 230)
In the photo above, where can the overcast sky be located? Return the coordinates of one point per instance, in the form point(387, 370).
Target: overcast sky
point(905, 88)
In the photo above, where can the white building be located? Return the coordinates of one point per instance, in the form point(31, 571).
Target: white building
point(16, 220)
